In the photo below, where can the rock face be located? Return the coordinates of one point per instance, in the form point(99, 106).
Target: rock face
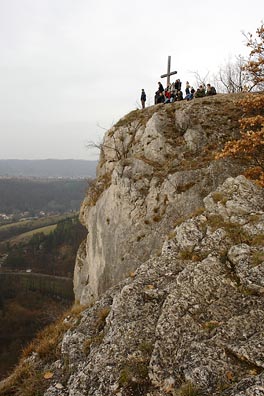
point(156, 166)
point(172, 268)
point(188, 321)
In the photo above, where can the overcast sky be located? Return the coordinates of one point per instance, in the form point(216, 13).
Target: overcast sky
point(70, 66)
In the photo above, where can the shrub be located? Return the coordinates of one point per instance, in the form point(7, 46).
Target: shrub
point(97, 187)
point(101, 317)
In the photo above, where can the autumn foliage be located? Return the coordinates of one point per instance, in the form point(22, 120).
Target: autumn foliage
point(255, 64)
point(250, 146)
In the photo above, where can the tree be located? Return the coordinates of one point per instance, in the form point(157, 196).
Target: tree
point(250, 146)
point(200, 80)
point(232, 77)
point(255, 65)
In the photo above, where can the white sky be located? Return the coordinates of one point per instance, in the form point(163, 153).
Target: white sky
point(68, 65)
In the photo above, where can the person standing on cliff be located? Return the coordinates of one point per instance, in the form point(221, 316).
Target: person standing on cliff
point(143, 98)
point(187, 88)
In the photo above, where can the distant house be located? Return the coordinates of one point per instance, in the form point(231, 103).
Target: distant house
point(3, 258)
point(4, 216)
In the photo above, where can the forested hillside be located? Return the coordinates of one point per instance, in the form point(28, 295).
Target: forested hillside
point(23, 313)
point(52, 254)
point(35, 195)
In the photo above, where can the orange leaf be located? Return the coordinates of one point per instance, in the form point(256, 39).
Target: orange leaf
point(229, 376)
point(48, 375)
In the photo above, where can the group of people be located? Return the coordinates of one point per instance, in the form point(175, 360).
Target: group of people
point(173, 93)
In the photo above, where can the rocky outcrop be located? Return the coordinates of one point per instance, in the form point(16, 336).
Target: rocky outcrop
point(188, 321)
point(156, 166)
point(171, 271)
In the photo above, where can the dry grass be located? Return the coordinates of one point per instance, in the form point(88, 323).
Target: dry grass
point(139, 116)
point(155, 164)
point(234, 231)
point(185, 254)
point(101, 317)
point(219, 197)
point(157, 218)
point(257, 240)
point(188, 389)
point(257, 258)
point(26, 381)
point(97, 187)
point(47, 342)
point(92, 341)
point(133, 378)
point(184, 187)
point(195, 213)
point(211, 325)
point(99, 325)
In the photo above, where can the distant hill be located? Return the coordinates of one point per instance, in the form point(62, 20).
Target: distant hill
point(48, 168)
point(33, 195)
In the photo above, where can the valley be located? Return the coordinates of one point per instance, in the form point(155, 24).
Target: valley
point(37, 257)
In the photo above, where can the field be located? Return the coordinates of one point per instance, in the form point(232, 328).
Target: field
point(24, 230)
point(26, 236)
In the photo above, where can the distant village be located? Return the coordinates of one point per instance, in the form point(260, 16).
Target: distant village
point(10, 217)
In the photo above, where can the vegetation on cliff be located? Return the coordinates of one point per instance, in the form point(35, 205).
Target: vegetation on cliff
point(250, 146)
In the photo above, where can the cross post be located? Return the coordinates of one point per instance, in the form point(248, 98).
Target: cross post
point(169, 73)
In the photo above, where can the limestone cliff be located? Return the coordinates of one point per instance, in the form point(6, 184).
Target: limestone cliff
point(172, 268)
point(156, 166)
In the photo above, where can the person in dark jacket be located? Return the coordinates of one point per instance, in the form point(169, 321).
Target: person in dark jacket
point(161, 89)
point(179, 95)
point(143, 98)
point(178, 85)
point(158, 92)
point(161, 98)
point(210, 90)
point(200, 93)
